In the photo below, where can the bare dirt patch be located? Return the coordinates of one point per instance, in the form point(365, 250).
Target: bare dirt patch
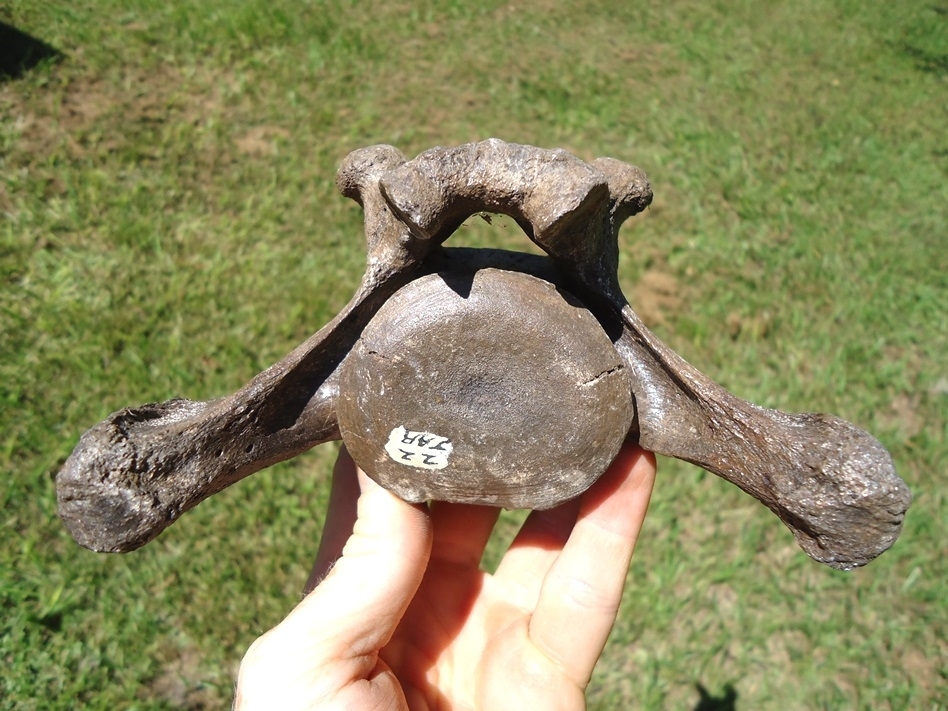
point(904, 414)
point(181, 683)
point(655, 297)
point(261, 141)
point(83, 116)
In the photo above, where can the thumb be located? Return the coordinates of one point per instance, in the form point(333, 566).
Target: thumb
point(332, 638)
point(369, 588)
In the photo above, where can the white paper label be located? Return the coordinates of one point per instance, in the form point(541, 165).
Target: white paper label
point(424, 450)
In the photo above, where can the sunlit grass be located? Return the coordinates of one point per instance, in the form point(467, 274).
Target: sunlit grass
point(169, 227)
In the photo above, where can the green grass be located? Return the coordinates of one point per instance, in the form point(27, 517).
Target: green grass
point(169, 227)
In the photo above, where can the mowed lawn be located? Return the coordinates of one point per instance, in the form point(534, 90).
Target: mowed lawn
point(169, 226)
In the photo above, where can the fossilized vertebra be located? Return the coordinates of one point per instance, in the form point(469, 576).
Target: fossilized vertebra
point(831, 483)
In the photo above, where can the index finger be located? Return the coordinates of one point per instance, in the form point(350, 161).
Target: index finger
point(581, 593)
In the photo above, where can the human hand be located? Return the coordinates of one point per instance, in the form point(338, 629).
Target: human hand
point(403, 617)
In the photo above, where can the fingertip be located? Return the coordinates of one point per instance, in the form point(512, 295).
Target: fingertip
point(633, 469)
point(366, 483)
point(632, 455)
point(381, 510)
point(376, 496)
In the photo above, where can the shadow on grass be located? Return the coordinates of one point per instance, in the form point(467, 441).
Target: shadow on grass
point(925, 61)
point(20, 52)
point(727, 701)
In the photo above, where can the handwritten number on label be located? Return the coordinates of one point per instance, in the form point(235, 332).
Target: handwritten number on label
point(424, 450)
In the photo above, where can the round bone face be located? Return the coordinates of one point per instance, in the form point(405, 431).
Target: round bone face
point(492, 388)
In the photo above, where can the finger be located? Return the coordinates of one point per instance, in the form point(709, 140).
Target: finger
point(461, 532)
point(580, 596)
point(536, 547)
point(340, 518)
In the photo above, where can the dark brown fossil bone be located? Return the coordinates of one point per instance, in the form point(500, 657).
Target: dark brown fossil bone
point(486, 376)
point(492, 387)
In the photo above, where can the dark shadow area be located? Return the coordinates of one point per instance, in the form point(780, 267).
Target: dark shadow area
point(928, 56)
point(727, 701)
point(925, 61)
point(19, 52)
